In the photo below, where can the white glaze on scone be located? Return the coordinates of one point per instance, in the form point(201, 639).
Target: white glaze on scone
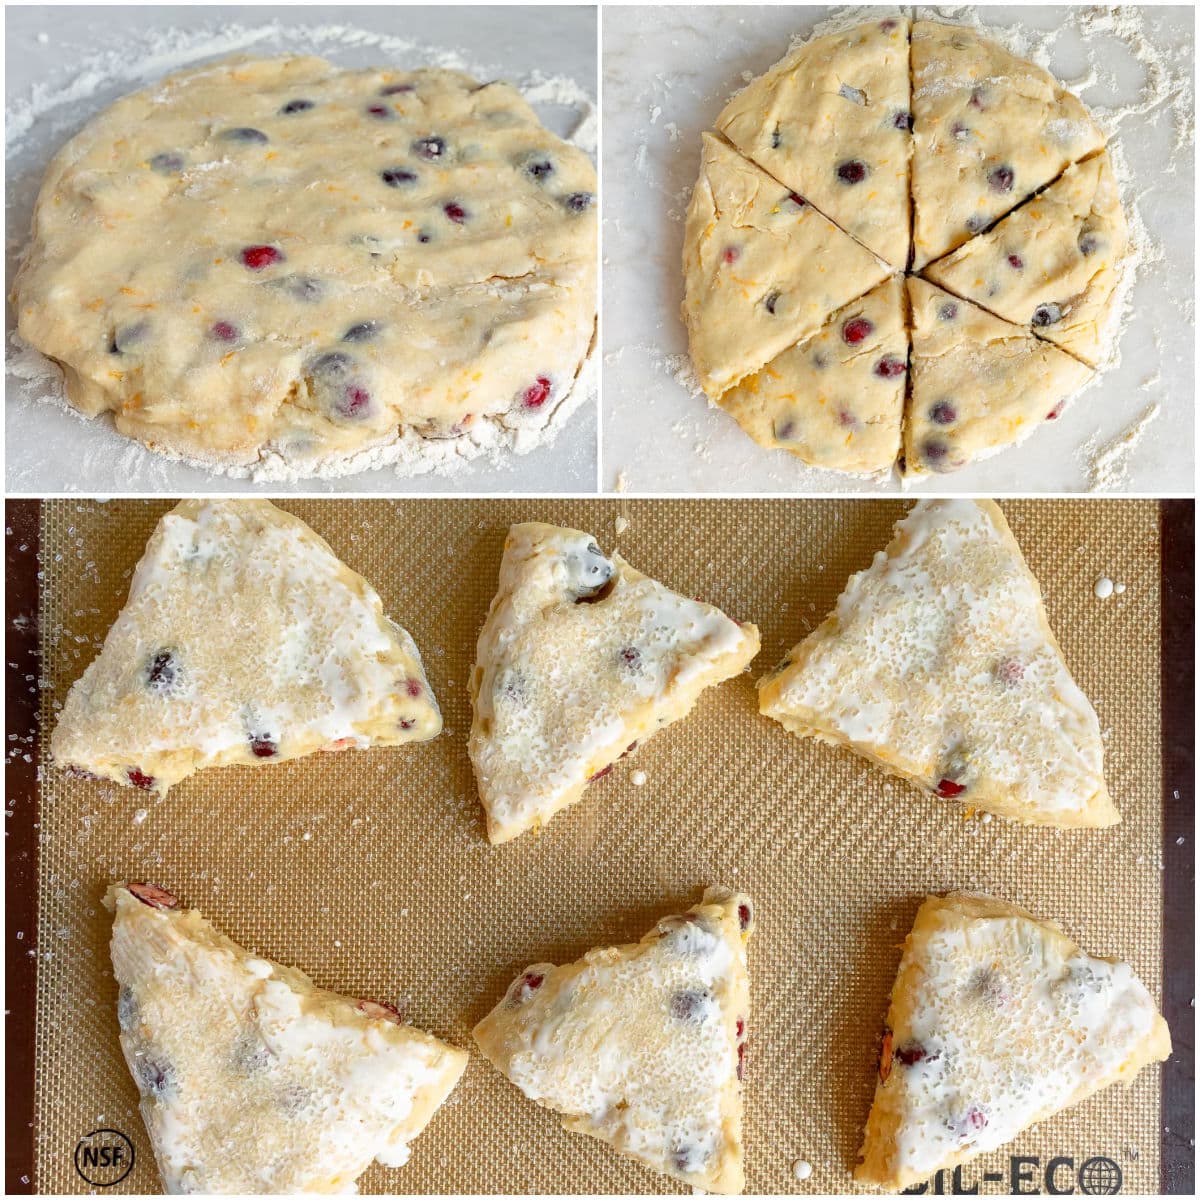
point(835, 400)
point(989, 129)
point(580, 657)
point(938, 664)
point(275, 254)
point(762, 269)
point(252, 1079)
point(997, 1021)
point(642, 1045)
point(978, 384)
point(243, 640)
point(1053, 264)
point(832, 122)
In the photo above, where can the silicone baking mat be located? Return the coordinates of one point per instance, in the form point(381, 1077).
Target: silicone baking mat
point(370, 870)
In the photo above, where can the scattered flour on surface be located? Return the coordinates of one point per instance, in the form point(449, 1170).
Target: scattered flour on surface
point(1108, 462)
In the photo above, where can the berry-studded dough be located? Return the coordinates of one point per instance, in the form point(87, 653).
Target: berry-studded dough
point(832, 122)
point(243, 640)
point(835, 400)
point(1014, 206)
point(580, 657)
point(761, 268)
point(989, 129)
point(978, 383)
point(997, 1021)
point(1053, 263)
point(277, 256)
point(642, 1046)
point(938, 664)
point(254, 1080)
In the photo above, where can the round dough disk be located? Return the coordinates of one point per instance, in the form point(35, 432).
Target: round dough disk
point(276, 255)
point(1004, 168)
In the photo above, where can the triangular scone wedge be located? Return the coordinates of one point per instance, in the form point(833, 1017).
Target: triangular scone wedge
point(252, 1078)
point(832, 122)
point(978, 384)
point(642, 1045)
point(938, 664)
point(997, 1021)
point(1054, 263)
point(580, 657)
point(761, 268)
point(836, 400)
point(243, 640)
point(989, 129)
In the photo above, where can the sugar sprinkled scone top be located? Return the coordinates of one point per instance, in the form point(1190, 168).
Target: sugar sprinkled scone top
point(642, 1045)
point(243, 640)
point(997, 1021)
point(938, 663)
point(278, 257)
point(580, 657)
point(252, 1079)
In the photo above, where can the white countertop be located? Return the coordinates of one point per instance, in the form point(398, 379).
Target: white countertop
point(72, 62)
point(667, 73)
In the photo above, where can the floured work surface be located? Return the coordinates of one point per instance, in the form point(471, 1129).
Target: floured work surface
point(371, 870)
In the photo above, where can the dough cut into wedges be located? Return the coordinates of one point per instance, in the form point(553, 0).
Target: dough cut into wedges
point(836, 399)
point(243, 640)
point(253, 1080)
point(938, 664)
point(997, 1021)
point(762, 269)
point(989, 129)
point(580, 657)
point(978, 384)
point(1053, 264)
point(642, 1045)
point(832, 122)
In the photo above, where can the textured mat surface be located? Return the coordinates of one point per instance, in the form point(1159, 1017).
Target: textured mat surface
point(370, 870)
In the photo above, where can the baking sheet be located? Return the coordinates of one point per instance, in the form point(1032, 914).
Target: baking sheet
point(50, 56)
point(668, 71)
point(371, 871)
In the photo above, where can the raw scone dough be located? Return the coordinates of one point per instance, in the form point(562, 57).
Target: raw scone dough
point(580, 657)
point(642, 1045)
point(276, 254)
point(1053, 263)
point(832, 122)
point(978, 383)
point(997, 1021)
point(989, 129)
point(855, 123)
point(253, 1079)
point(244, 640)
point(938, 664)
point(835, 400)
point(761, 269)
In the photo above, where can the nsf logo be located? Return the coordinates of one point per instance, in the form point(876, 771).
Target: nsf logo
point(1026, 1176)
point(103, 1157)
